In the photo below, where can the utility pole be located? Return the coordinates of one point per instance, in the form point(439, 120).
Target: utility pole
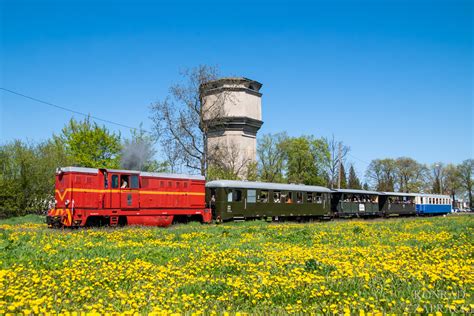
point(339, 167)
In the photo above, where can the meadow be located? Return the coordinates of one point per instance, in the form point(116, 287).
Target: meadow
point(395, 266)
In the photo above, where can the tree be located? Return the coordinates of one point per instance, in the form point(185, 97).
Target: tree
point(451, 183)
point(138, 153)
point(17, 163)
point(466, 173)
point(271, 157)
point(306, 160)
point(173, 159)
point(225, 162)
point(27, 176)
point(181, 121)
point(354, 182)
point(89, 145)
point(436, 175)
point(382, 174)
point(343, 177)
point(410, 174)
point(333, 164)
point(50, 155)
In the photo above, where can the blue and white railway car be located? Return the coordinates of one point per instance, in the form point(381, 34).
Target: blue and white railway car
point(433, 204)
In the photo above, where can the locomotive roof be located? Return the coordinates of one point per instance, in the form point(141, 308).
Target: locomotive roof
point(265, 186)
point(78, 169)
point(357, 191)
point(171, 175)
point(141, 173)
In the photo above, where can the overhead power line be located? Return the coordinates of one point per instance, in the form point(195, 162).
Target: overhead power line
point(70, 110)
point(367, 163)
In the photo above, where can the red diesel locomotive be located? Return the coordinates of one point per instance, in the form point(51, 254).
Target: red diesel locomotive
point(91, 197)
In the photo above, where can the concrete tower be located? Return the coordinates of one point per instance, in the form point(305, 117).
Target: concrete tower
point(232, 107)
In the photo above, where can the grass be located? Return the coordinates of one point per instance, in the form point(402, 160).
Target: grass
point(413, 265)
point(27, 219)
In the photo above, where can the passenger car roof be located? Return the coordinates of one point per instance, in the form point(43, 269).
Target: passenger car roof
point(358, 191)
point(433, 195)
point(265, 186)
point(399, 194)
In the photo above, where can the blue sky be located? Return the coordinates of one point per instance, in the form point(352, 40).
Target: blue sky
point(389, 78)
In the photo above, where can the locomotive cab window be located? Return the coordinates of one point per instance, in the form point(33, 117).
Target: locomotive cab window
point(115, 181)
point(124, 182)
point(106, 181)
point(134, 182)
point(251, 196)
point(229, 196)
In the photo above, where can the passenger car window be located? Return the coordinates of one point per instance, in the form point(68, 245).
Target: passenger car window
point(237, 195)
point(115, 181)
point(251, 196)
point(299, 197)
point(229, 196)
point(318, 198)
point(276, 197)
point(263, 197)
point(309, 197)
point(134, 184)
point(289, 198)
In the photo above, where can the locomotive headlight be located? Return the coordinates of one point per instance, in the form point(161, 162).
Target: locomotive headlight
point(66, 203)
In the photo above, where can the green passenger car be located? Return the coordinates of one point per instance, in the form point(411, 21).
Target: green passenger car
point(239, 200)
point(397, 203)
point(355, 203)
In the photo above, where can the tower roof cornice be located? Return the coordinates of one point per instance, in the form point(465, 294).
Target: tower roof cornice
point(231, 84)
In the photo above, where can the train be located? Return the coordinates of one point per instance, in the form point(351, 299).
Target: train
point(110, 197)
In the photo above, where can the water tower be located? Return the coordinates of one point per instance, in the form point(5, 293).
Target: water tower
point(233, 109)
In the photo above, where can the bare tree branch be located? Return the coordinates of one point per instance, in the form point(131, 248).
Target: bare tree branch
point(180, 120)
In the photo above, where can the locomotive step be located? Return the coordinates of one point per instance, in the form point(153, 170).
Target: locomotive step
point(114, 220)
